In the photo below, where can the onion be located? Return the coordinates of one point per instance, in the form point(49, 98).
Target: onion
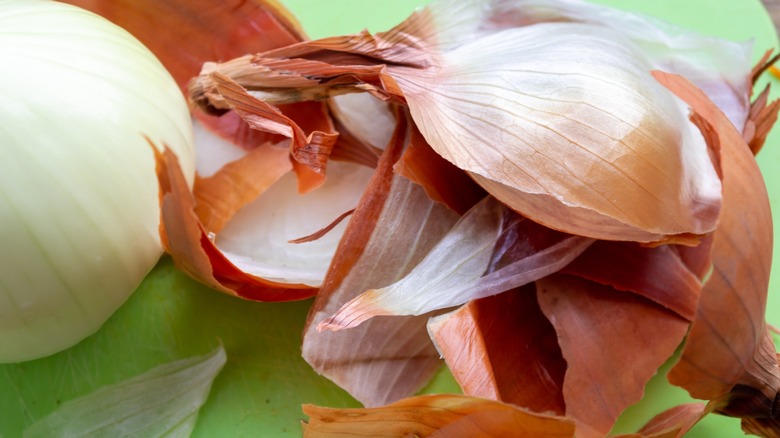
point(80, 102)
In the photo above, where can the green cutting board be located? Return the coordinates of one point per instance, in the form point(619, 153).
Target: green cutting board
point(260, 390)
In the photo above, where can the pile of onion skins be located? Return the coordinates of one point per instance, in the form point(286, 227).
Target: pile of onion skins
point(551, 195)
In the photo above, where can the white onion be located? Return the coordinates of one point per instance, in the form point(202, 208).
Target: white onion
point(79, 210)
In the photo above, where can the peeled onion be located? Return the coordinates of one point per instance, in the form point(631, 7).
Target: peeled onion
point(81, 102)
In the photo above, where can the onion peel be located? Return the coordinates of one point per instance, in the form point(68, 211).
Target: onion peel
point(410, 64)
point(628, 339)
point(311, 150)
point(434, 415)
point(442, 181)
point(184, 237)
point(464, 416)
point(393, 226)
point(219, 196)
point(491, 249)
point(658, 273)
point(761, 118)
point(741, 368)
point(675, 422)
point(504, 348)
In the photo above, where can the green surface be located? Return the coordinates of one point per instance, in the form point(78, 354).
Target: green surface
point(260, 390)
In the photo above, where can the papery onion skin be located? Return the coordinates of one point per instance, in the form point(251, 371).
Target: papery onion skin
point(393, 226)
point(729, 355)
point(559, 120)
point(80, 102)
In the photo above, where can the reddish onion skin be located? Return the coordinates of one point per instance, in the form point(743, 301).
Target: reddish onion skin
point(729, 354)
point(435, 415)
point(504, 348)
point(184, 34)
point(613, 343)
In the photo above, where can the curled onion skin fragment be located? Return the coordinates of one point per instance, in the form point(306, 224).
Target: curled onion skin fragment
point(194, 252)
point(628, 339)
point(762, 117)
point(729, 355)
point(435, 415)
point(490, 250)
point(393, 227)
point(463, 416)
point(78, 194)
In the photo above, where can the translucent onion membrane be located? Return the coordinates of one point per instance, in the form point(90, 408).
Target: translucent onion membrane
point(163, 401)
point(80, 102)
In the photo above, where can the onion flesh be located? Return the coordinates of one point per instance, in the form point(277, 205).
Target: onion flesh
point(80, 102)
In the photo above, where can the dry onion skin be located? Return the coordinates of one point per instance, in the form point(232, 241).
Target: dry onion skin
point(552, 109)
point(79, 197)
point(163, 401)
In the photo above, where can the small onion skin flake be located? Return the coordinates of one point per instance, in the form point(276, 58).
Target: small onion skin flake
point(78, 194)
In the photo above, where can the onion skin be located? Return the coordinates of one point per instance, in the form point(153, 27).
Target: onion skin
point(80, 102)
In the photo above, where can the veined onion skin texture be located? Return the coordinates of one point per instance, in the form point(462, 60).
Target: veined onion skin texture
point(79, 199)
